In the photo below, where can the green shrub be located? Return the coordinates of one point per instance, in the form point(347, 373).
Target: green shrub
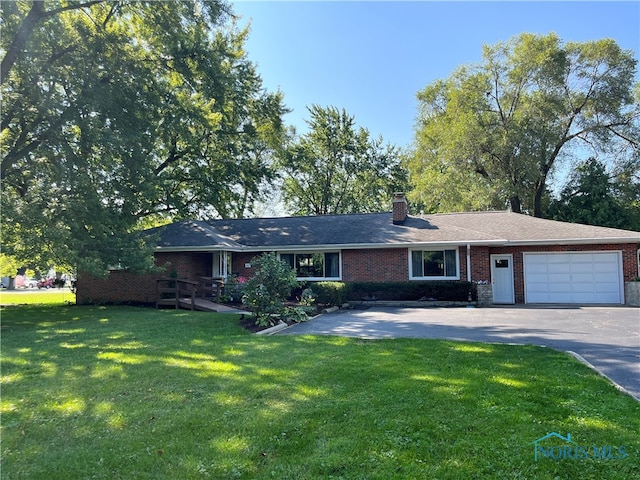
point(307, 297)
point(300, 313)
point(331, 293)
point(411, 291)
point(234, 288)
point(337, 293)
point(295, 314)
point(270, 286)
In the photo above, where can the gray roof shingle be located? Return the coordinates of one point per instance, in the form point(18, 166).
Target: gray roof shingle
point(191, 234)
point(377, 229)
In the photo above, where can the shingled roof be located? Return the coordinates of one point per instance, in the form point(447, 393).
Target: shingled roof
point(191, 234)
point(377, 230)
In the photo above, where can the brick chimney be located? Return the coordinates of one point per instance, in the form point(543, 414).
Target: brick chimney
point(399, 208)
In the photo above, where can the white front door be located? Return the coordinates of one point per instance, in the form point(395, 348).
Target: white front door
point(502, 278)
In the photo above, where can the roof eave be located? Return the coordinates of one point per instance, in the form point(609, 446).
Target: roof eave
point(365, 246)
point(324, 247)
point(199, 248)
point(574, 241)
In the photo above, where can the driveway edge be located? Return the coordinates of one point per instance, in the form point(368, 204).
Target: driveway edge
point(617, 386)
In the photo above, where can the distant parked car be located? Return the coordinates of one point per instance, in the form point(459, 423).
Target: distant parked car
point(45, 283)
point(23, 282)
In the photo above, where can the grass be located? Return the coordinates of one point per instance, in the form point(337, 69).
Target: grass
point(129, 393)
point(45, 297)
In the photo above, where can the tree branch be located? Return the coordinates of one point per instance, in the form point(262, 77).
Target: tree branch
point(72, 6)
point(173, 157)
point(629, 140)
point(36, 13)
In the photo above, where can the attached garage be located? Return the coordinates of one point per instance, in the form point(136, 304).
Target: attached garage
point(572, 277)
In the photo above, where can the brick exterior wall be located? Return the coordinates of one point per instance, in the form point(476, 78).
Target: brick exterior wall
point(125, 287)
point(480, 264)
point(462, 255)
point(239, 262)
point(375, 265)
point(187, 265)
point(358, 265)
point(118, 287)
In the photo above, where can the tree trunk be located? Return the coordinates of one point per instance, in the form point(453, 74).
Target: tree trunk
point(36, 13)
point(537, 200)
point(516, 206)
point(24, 32)
point(540, 187)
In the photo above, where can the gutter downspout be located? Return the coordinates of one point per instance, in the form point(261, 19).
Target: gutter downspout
point(468, 262)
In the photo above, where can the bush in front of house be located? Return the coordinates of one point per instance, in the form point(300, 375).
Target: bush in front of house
point(234, 288)
point(445, 290)
point(331, 293)
point(337, 293)
point(267, 290)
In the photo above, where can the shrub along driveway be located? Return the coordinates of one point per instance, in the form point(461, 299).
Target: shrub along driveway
point(607, 337)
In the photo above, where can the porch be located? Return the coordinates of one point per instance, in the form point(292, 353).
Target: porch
point(203, 294)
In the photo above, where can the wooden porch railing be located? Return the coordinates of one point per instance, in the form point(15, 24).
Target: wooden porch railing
point(173, 291)
point(210, 287)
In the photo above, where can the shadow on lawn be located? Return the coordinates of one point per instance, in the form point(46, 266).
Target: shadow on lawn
point(617, 361)
point(216, 400)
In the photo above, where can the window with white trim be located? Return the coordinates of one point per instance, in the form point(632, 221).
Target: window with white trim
point(435, 264)
point(314, 266)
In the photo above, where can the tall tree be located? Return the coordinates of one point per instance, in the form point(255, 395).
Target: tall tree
point(338, 167)
point(215, 144)
point(595, 196)
point(626, 180)
point(37, 12)
point(115, 112)
point(9, 268)
point(498, 129)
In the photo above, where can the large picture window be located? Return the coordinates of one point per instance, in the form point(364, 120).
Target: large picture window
point(435, 264)
point(319, 265)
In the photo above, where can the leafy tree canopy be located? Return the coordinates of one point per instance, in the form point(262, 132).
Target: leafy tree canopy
point(338, 167)
point(121, 114)
point(8, 266)
point(492, 133)
point(595, 196)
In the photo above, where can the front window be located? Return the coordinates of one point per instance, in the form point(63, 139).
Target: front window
point(435, 264)
point(319, 265)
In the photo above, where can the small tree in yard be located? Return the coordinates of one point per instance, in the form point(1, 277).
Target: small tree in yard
point(266, 292)
point(8, 268)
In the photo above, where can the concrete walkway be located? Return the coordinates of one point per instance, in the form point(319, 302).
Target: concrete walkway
point(607, 337)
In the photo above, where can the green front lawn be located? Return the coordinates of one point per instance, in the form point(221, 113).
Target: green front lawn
point(128, 393)
point(41, 297)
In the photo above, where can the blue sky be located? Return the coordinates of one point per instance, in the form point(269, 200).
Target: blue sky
point(371, 58)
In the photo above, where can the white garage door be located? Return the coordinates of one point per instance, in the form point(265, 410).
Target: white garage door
point(573, 277)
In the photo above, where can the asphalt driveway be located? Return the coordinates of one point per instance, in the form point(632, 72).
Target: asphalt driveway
point(606, 337)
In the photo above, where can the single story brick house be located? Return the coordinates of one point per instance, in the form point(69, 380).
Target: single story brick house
point(525, 259)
